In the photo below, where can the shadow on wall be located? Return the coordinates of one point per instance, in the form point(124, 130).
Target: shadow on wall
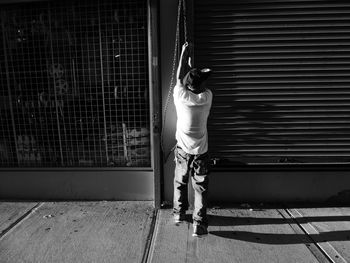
point(230, 122)
point(234, 127)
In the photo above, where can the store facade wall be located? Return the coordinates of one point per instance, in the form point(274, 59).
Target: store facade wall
point(95, 163)
point(76, 100)
point(251, 166)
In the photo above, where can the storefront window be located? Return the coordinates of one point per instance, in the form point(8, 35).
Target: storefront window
point(74, 84)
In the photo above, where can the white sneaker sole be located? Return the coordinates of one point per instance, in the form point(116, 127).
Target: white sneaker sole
point(196, 235)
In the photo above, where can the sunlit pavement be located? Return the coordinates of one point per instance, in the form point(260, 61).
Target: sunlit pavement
point(135, 232)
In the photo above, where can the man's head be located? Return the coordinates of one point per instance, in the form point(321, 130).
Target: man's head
point(194, 78)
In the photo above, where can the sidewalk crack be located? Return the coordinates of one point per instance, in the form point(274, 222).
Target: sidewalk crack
point(20, 220)
point(149, 246)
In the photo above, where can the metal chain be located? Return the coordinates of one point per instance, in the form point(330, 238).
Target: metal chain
point(185, 19)
point(172, 74)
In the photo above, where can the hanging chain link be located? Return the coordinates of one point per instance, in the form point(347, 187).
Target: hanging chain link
point(185, 19)
point(177, 39)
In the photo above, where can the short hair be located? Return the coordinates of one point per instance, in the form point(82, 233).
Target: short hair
point(195, 77)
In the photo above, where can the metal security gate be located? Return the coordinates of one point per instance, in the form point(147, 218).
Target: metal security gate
point(281, 80)
point(74, 84)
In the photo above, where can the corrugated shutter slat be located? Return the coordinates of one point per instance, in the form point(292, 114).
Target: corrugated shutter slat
point(281, 79)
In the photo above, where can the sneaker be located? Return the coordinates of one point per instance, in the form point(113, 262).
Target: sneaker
point(178, 218)
point(199, 230)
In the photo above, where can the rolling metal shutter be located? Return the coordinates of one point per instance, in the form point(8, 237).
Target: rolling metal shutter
point(281, 79)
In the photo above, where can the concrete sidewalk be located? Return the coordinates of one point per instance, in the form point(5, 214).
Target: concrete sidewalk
point(134, 232)
point(74, 231)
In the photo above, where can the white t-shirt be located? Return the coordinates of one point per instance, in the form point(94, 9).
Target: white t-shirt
point(192, 114)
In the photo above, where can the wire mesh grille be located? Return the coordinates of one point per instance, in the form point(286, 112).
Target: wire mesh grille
point(74, 84)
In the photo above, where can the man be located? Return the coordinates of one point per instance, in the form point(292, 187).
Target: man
point(193, 102)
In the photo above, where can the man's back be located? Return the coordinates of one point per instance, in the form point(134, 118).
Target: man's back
point(192, 114)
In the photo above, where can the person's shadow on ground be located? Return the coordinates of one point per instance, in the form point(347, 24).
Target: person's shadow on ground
point(275, 238)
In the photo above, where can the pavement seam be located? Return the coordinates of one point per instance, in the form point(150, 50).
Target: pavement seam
point(311, 245)
point(150, 241)
point(20, 220)
point(327, 249)
point(190, 251)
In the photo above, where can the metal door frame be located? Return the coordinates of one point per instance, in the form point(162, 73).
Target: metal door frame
point(155, 97)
